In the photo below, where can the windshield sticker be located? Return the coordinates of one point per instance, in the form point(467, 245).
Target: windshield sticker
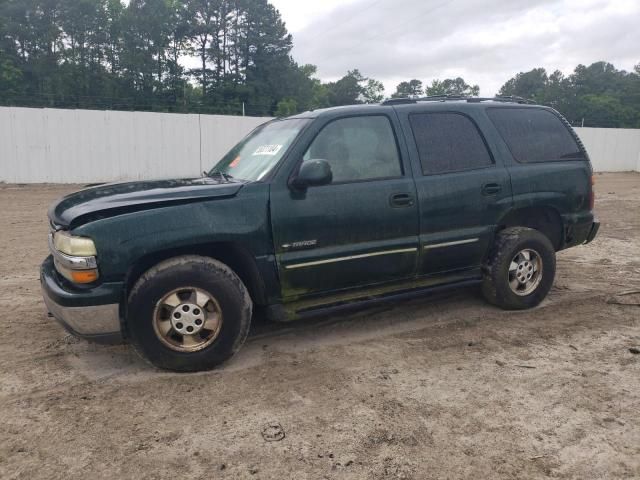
point(235, 162)
point(268, 150)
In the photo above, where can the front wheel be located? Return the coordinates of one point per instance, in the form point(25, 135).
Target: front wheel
point(188, 313)
point(520, 270)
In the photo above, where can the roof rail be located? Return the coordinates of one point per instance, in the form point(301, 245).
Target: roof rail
point(399, 101)
point(444, 98)
point(512, 98)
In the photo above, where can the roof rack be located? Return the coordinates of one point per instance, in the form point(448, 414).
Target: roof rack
point(444, 98)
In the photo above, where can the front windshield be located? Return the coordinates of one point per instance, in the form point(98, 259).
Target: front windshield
point(260, 151)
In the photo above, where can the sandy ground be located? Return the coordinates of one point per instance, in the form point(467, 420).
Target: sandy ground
point(439, 387)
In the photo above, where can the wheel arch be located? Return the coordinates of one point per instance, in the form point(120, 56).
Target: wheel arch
point(545, 219)
point(235, 256)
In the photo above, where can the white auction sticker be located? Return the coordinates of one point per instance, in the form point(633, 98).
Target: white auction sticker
point(268, 150)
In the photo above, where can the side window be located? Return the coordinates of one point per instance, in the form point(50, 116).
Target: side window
point(535, 135)
point(448, 142)
point(358, 148)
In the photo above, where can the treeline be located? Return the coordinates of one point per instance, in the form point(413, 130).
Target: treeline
point(108, 54)
point(450, 86)
point(595, 96)
point(231, 56)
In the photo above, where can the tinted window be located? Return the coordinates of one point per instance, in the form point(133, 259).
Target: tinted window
point(448, 142)
point(358, 148)
point(534, 135)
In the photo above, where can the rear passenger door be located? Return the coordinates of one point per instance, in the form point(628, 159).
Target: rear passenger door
point(463, 190)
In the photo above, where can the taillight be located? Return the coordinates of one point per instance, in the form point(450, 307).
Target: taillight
point(592, 194)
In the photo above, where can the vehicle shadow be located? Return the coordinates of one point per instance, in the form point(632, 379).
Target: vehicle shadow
point(357, 322)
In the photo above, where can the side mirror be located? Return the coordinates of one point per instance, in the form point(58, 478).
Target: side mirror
point(313, 173)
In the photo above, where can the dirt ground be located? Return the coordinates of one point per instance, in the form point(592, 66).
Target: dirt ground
point(439, 387)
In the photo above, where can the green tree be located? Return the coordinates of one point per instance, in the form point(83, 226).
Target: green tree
point(604, 111)
point(299, 84)
point(597, 95)
point(373, 91)
point(531, 85)
point(114, 12)
point(411, 89)
point(175, 80)
point(354, 88)
point(32, 26)
point(452, 86)
point(10, 77)
point(266, 50)
point(81, 70)
point(286, 107)
point(147, 36)
point(204, 27)
point(11, 81)
point(347, 90)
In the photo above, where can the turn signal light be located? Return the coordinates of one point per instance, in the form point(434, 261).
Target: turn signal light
point(84, 276)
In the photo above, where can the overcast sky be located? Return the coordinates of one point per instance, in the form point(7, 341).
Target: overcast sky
point(484, 41)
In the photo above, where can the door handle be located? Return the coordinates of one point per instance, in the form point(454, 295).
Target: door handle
point(401, 200)
point(491, 189)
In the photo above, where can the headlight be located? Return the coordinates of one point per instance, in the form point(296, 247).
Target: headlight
point(74, 257)
point(72, 245)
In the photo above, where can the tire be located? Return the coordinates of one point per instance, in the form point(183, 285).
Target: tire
point(499, 270)
point(189, 292)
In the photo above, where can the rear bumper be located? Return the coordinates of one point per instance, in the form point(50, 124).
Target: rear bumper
point(595, 227)
point(579, 229)
point(92, 314)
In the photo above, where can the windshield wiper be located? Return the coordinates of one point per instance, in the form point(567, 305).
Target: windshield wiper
point(223, 176)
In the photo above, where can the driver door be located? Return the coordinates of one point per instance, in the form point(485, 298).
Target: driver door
point(362, 228)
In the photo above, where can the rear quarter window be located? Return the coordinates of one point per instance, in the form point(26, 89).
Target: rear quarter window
point(535, 135)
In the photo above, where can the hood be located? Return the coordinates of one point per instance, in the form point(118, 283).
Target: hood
point(118, 198)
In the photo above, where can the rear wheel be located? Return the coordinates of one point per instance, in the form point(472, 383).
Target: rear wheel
point(520, 270)
point(188, 313)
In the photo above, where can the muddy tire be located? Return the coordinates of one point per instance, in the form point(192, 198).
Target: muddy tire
point(188, 313)
point(520, 270)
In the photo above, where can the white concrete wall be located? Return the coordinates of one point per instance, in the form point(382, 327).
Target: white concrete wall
point(612, 149)
point(86, 146)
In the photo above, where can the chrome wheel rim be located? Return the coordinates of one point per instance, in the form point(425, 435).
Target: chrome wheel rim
point(187, 319)
point(525, 272)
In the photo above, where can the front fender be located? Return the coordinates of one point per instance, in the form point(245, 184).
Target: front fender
point(124, 239)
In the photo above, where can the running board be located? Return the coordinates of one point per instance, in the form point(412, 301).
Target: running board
point(299, 311)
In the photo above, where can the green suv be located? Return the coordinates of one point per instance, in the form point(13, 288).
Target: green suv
point(319, 211)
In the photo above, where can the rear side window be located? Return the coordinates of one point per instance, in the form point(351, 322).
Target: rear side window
point(448, 142)
point(535, 135)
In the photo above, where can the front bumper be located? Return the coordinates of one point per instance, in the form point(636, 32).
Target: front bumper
point(91, 313)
